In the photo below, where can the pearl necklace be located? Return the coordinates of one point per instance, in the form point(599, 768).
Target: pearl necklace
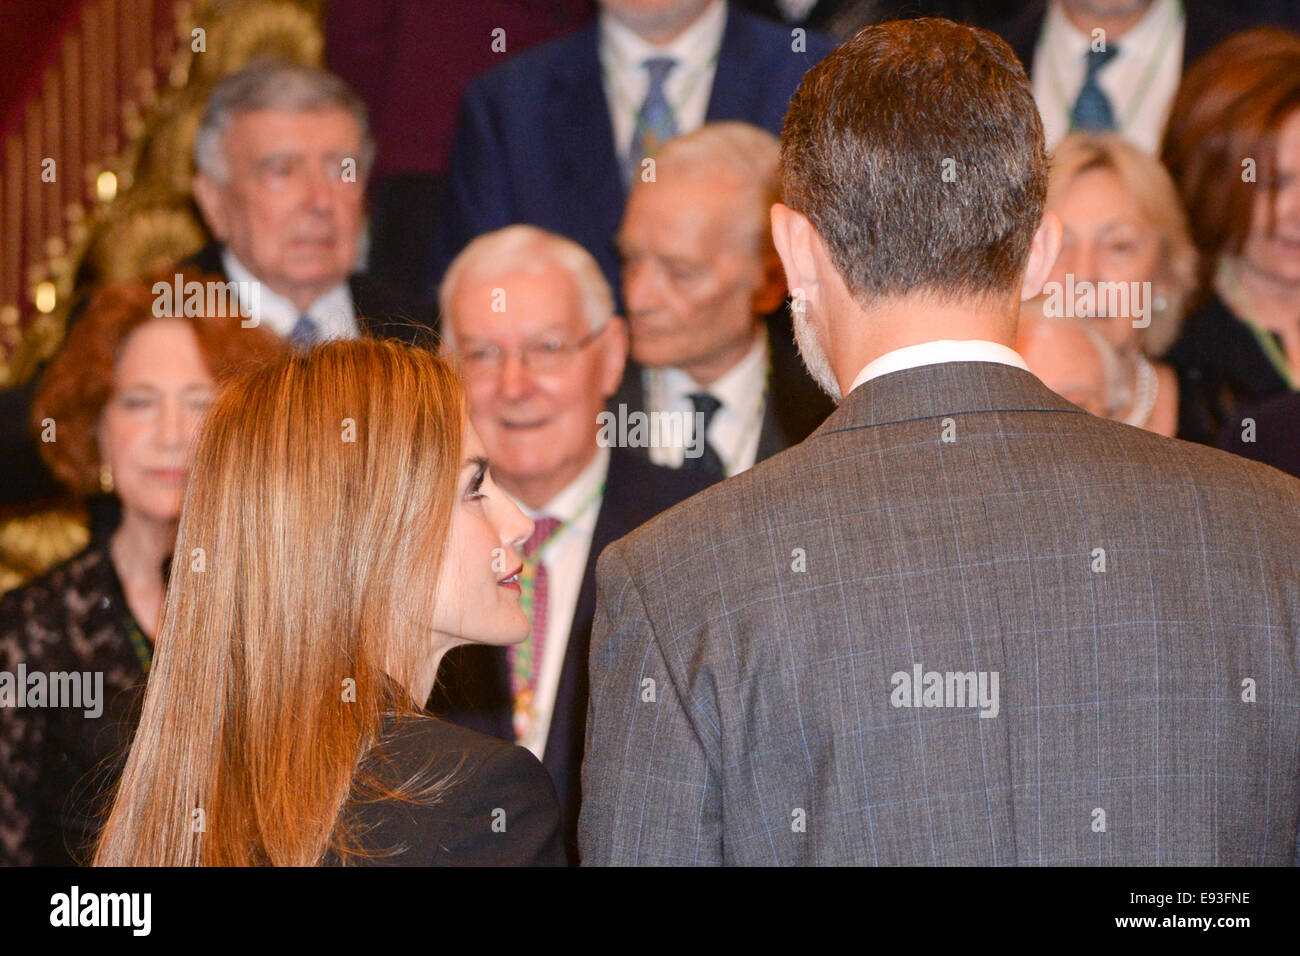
point(1147, 387)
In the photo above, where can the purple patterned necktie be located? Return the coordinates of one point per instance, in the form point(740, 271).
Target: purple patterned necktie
point(526, 657)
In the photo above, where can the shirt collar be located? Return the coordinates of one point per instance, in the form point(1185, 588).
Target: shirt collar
point(933, 353)
point(568, 504)
point(332, 311)
point(739, 385)
point(623, 50)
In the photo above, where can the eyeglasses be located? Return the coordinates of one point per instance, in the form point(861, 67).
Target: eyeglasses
point(547, 355)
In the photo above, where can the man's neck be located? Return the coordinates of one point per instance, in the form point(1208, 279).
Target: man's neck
point(1114, 25)
point(660, 31)
point(860, 339)
point(537, 492)
point(302, 299)
point(708, 371)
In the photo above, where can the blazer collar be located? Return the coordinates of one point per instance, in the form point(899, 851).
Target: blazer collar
point(731, 95)
point(937, 391)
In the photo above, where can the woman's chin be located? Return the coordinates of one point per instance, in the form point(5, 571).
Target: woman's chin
point(520, 634)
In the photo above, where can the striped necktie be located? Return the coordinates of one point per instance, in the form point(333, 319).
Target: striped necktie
point(526, 657)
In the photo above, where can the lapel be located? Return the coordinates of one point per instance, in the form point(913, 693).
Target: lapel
point(940, 390)
point(1022, 32)
point(586, 165)
point(631, 395)
point(208, 259)
point(565, 738)
point(771, 436)
point(734, 92)
point(363, 308)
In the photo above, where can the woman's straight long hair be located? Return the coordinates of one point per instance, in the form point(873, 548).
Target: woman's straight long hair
point(299, 605)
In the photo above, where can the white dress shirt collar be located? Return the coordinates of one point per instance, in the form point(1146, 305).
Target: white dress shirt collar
point(934, 353)
point(576, 502)
point(737, 425)
point(333, 313)
point(688, 86)
point(1140, 82)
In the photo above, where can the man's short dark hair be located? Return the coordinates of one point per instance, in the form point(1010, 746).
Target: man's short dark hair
point(917, 152)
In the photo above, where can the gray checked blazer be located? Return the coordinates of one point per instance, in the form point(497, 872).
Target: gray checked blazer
point(964, 622)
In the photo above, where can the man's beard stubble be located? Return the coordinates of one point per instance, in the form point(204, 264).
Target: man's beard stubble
point(814, 355)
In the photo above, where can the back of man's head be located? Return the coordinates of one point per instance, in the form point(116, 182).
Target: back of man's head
point(916, 150)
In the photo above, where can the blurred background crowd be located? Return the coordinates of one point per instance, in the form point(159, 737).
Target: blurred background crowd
point(570, 199)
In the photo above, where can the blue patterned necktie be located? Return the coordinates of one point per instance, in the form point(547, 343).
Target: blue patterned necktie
point(1092, 109)
point(709, 462)
point(304, 333)
point(656, 121)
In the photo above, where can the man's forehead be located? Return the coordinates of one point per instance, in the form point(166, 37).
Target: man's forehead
point(521, 301)
point(678, 214)
point(295, 130)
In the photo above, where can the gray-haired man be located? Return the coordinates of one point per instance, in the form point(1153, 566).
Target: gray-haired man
point(963, 622)
point(282, 157)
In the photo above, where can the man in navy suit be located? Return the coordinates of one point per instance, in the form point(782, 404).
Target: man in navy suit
point(530, 320)
point(552, 136)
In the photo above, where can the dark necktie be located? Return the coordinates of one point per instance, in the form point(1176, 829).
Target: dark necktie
point(1092, 109)
point(707, 463)
point(304, 333)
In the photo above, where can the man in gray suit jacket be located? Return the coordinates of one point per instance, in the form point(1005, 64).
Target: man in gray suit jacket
point(964, 622)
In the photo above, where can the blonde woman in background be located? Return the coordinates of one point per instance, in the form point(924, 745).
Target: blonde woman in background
point(1123, 222)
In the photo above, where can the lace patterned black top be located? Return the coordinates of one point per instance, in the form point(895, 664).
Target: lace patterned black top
point(58, 764)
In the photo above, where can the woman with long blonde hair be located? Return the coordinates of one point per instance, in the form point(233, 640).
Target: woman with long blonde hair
point(340, 533)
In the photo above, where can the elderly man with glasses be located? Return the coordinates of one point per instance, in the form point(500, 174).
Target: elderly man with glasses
point(530, 319)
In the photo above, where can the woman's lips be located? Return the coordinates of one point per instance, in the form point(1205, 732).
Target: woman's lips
point(511, 581)
point(172, 475)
